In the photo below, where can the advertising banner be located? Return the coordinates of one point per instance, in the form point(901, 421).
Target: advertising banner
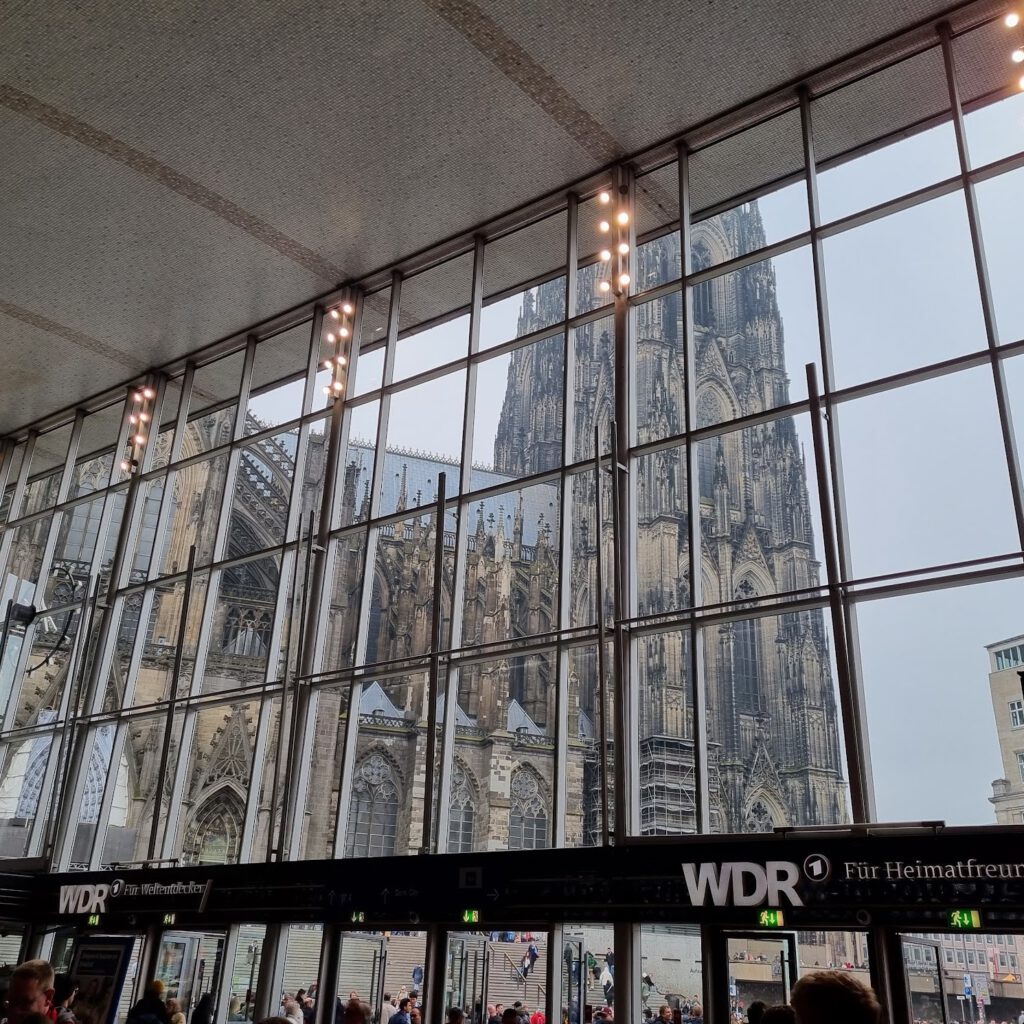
point(99, 964)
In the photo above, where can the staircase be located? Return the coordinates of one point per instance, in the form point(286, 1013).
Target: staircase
point(504, 982)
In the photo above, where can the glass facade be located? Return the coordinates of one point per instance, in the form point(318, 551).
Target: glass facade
point(550, 562)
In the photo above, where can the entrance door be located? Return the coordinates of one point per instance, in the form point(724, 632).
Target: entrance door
point(189, 964)
point(926, 989)
point(361, 968)
point(762, 965)
point(487, 968)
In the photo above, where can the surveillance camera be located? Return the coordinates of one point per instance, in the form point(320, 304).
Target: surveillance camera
point(863, 917)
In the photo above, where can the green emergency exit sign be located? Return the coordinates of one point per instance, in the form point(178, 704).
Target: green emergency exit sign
point(471, 917)
point(965, 920)
point(771, 919)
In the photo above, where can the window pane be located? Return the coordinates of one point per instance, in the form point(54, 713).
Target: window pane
point(213, 384)
point(424, 438)
point(663, 551)
point(264, 472)
point(45, 470)
point(528, 254)
point(511, 571)
point(284, 355)
point(358, 462)
point(195, 494)
point(660, 369)
point(774, 729)
point(932, 646)
point(594, 385)
point(518, 418)
point(1002, 224)
point(919, 505)
point(325, 753)
point(903, 292)
point(346, 598)
point(523, 313)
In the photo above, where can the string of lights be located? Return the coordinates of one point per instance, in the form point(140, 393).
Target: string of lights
point(621, 223)
point(139, 420)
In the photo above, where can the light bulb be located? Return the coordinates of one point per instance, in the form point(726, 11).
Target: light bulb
point(1017, 55)
point(124, 465)
point(604, 286)
point(336, 385)
point(137, 397)
point(1012, 20)
point(143, 417)
point(604, 226)
point(623, 217)
point(623, 279)
point(604, 198)
point(623, 247)
point(344, 332)
point(342, 360)
point(148, 393)
point(330, 337)
point(327, 390)
point(140, 438)
point(327, 364)
point(335, 314)
point(605, 255)
point(347, 308)
point(133, 419)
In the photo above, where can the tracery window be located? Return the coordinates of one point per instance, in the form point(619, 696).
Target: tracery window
point(215, 835)
point(373, 810)
point(461, 813)
point(759, 818)
point(703, 293)
point(528, 816)
point(747, 655)
point(246, 633)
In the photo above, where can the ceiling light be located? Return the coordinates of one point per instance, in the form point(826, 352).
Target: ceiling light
point(624, 247)
point(604, 197)
point(137, 397)
point(143, 417)
point(1012, 20)
point(335, 314)
point(347, 308)
point(140, 438)
point(605, 255)
point(623, 279)
point(1017, 55)
point(330, 337)
point(327, 364)
point(604, 226)
point(344, 332)
point(604, 286)
point(133, 419)
point(148, 393)
point(336, 385)
point(125, 466)
point(342, 360)
point(623, 217)
point(327, 389)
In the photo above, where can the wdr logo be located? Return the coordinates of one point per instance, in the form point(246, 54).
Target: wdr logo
point(84, 899)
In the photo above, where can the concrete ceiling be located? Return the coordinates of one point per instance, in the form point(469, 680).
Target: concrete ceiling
point(174, 172)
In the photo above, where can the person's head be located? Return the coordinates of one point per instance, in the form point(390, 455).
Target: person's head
point(290, 1007)
point(415, 1016)
point(30, 990)
point(834, 997)
point(499, 1008)
point(665, 1012)
point(755, 1011)
point(491, 1008)
point(780, 1014)
point(173, 1006)
point(387, 997)
point(456, 1015)
point(301, 994)
point(357, 1012)
point(697, 1011)
point(510, 1016)
point(155, 988)
point(404, 1003)
point(64, 989)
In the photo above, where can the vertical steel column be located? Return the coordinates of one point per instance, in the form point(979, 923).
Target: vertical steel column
point(627, 971)
point(318, 574)
point(833, 512)
point(984, 286)
point(694, 537)
point(172, 700)
point(327, 976)
point(602, 668)
point(434, 971)
point(436, 643)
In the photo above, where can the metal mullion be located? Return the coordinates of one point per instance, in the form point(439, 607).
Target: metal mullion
point(384, 411)
point(1004, 165)
point(257, 770)
point(176, 801)
point(907, 587)
point(181, 421)
point(21, 484)
point(514, 344)
point(695, 663)
point(909, 201)
point(652, 294)
point(855, 725)
point(984, 285)
point(312, 366)
point(748, 259)
point(238, 430)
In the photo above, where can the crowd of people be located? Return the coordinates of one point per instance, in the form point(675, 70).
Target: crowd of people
point(824, 997)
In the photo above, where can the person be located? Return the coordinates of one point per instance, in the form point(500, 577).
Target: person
point(665, 1014)
point(415, 1017)
point(755, 1011)
point(401, 1015)
point(533, 953)
point(357, 1012)
point(609, 959)
point(387, 1010)
point(417, 976)
point(64, 990)
point(510, 1015)
point(608, 985)
point(592, 965)
point(493, 1017)
point(522, 1014)
point(151, 1008)
point(697, 1013)
point(780, 1014)
point(455, 1015)
point(524, 966)
point(29, 991)
point(173, 1011)
point(834, 997)
point(291, 1010)
point(537, 1017)
point(203, 1013)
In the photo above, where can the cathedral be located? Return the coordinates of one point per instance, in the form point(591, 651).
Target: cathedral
point(773, 722)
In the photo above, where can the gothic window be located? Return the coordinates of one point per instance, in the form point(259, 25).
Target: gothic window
point(758, 819)
point(703, 293)
point(373, 810)
point(747, 664)
point(528, 817)
point(246, 633)
point(460, 813)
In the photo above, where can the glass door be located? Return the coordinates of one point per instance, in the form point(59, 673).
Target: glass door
point(189, 965)
point(926, 987)
point(361, 969)
point(485, 970)
point(762, 965)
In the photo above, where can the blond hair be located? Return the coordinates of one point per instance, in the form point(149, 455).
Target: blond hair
point(38, 970)
point(834, 997)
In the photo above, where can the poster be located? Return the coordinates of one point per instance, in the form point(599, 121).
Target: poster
point(99, 964)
